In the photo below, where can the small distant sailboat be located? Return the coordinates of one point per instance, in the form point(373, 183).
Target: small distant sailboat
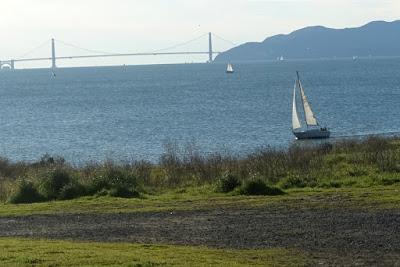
point(229, 68)
point(313, 129)
point(53, 72)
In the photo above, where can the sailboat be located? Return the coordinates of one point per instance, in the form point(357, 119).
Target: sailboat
point(313, 129)
point(53, 71)
point(229, 68)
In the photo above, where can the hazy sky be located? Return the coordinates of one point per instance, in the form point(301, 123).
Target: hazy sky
point(146, 25)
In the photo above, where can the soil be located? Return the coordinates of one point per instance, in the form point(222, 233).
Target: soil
point(328, 236)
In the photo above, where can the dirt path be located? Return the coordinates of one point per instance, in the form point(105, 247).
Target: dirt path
point(331, 236)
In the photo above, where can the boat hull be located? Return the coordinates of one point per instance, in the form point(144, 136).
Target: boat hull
point(313, 134)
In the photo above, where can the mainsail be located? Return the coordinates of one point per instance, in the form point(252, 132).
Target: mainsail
point(310, 119)
point(295, 118)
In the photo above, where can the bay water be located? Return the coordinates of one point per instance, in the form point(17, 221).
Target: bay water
point(131, 112)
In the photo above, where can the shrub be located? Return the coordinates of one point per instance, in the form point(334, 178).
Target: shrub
point(102, 193)
point(26, 193)
point(48, 160)
point(259, 187)
point(116, 182)
point(227, 183)
point(114, 177)
point(331, 184)
point(297, 181)
point(124, 192)
point(390, 181)
point(71, 191)
point(356, 170)
point(53, 182)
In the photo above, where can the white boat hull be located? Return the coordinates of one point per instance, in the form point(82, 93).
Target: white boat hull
point(313, 134)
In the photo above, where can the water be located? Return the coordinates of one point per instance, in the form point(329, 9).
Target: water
point(128, 113)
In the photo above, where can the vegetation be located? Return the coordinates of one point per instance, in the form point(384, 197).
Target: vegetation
point(201, 198)
point(227, 183)
point(25, 252)
point(343, 164)
point(26, 193)
point(258, 187)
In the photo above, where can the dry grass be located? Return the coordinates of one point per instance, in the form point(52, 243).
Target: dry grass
point(347, 163)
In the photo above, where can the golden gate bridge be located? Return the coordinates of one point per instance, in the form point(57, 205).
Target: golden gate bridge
point(53, 58)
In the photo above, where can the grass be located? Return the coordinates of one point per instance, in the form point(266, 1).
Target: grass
point(380, 197)
point(26, 252)
point(355, 164)
point(354, 174)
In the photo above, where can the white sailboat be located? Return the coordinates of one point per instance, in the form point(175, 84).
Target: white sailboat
point(229, 68)
point(313, 129)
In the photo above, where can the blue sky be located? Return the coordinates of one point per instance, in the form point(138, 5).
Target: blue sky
point(146, 25)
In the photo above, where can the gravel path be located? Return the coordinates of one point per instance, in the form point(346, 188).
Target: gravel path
point(332, 237)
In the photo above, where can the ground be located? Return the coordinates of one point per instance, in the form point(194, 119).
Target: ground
point(307, 227)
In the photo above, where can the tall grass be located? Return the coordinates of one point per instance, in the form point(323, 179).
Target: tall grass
point(343, 163)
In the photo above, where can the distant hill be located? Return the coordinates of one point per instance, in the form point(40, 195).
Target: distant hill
point(378, 38)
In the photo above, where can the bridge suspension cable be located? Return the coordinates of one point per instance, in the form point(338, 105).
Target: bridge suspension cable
point(85, 49)
point(181, 44)
point(225, 40)
point(148, 52)
point(34, 49)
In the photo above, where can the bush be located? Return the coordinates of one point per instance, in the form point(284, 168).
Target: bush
point(26, 193)
point(48, 160)
point(227, 183)
point(331, 184)
point(297, 181)
point(124, 192)
point(259, 187)
point(53, 182)
point(390, 181)
point(71, 191)
point(116, 182)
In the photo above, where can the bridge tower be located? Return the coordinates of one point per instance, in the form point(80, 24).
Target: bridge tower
point(210, 51)
point(53, 54)
point(12, 64)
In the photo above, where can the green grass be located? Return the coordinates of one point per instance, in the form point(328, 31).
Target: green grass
point(186, 179)
point(379, 197)
point(26, 252)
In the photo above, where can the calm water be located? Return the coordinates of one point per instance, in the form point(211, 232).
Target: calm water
point(131, 112)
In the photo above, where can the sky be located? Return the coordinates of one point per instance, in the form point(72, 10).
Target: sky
point(124, 26)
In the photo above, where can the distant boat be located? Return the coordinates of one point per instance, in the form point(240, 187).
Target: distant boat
point(229, 68)
point(313, 130)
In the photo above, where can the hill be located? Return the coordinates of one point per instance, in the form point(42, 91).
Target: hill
point(378, 38)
